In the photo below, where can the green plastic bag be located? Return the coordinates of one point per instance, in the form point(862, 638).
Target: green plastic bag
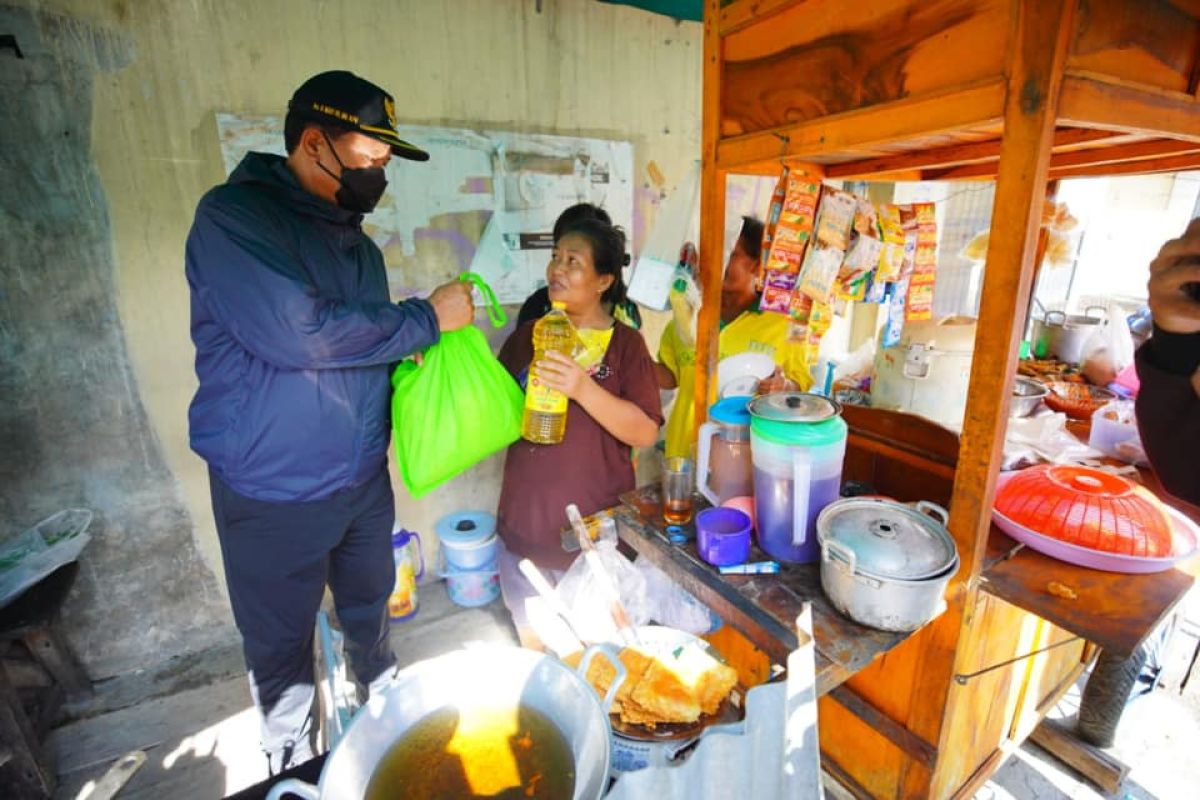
point(455, 409)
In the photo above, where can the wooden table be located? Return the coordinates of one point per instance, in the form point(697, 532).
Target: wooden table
point(1116, 611)
point(762, 607)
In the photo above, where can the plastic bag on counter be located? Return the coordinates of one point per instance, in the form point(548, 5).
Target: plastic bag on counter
point(585, 597)
point(1115, 432)
point(1044, 437)
point(1111, 341)
point(672, 605)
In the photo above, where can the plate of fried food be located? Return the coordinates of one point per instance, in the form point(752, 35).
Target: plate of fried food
point(677, 686)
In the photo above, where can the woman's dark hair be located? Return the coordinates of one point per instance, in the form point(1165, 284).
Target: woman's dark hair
point(608, 253)
point(577, 212)
point(751, 237)
point(294, 125)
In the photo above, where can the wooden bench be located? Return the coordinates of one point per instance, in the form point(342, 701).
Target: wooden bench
point(38, 671)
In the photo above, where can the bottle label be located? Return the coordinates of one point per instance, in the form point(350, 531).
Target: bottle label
point(541, 398)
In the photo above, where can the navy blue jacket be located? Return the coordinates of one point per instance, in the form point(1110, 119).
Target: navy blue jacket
point(295, 338)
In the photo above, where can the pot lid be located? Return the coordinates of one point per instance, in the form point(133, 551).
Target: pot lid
point(889, 540)
point(1088, 508)
point(731, 411)
point(794, 407)
point(466, 528)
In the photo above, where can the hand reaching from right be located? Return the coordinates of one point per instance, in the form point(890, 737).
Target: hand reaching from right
point(1177, 265)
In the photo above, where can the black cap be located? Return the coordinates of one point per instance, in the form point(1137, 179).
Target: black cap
point(355, 103)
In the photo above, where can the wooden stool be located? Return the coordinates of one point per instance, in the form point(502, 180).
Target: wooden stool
point(33, 622)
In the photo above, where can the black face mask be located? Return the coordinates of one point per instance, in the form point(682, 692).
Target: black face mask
point(360, 187)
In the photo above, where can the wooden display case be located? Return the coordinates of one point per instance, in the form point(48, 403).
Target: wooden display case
point(1021, 92)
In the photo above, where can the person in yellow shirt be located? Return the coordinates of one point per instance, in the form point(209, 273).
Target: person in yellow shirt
point(743, 329)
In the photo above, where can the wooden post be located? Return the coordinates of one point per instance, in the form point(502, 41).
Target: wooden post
point(1038, 42)
point(712, 216)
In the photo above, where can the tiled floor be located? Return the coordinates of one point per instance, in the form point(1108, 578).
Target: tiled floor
point(194, 721)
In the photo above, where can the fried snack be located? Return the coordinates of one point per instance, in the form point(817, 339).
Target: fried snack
point(600, 673)
point(665, 696)
point(671, 687)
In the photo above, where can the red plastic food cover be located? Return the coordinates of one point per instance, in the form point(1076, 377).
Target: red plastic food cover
point(1088, 508)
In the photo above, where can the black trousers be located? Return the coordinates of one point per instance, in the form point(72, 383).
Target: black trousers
point(278, 559)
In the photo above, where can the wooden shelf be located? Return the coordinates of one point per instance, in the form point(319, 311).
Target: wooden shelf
point(762, 607)
point(1114, 610)
point(1024, 92)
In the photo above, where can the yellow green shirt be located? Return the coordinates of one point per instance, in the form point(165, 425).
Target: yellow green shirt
point(752, 331)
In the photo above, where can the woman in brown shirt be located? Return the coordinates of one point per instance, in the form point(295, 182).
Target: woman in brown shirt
point(613, 407)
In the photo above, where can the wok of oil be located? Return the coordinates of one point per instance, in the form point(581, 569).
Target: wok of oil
point(497, 753)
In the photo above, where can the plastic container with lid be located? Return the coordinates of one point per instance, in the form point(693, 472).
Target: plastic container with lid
point(723, 463)
point(1086, 508)
point(468, 540)
point(798, 442)
point(1115, 432)
point(928, 372)
point(410, 566)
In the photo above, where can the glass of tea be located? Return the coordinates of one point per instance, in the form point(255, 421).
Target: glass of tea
point(678, 481)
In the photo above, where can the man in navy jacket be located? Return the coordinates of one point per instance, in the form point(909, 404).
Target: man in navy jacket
point(295, 339)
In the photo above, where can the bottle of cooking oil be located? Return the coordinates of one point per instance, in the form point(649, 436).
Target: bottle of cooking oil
point(545, 420)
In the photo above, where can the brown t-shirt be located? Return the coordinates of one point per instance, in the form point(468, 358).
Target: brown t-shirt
point(589, 468)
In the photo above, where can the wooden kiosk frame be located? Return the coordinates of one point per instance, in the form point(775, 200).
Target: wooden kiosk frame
point(1017, 91)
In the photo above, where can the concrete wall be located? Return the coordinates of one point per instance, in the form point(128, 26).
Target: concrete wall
point(108, 130)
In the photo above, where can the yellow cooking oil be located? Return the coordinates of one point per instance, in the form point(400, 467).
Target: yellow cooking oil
point(545, 419)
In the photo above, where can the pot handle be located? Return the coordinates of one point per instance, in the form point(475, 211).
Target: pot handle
point(1103, 312)
point(291, 786)
point(934, 510)
point(836, 551)
point(609, 652)
point(1061, 314)
point(704, 451)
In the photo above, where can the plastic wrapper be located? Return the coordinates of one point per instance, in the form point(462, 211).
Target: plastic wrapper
point(777, 291)
point(585, 597)
point(1043, 437)
point(920, 231)
point(1111, 341)
point(835, 219)
point(819, 273)
point(673, 606)
point(794, 227)
point(891, 257)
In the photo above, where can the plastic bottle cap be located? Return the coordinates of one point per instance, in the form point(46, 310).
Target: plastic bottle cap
point(561, 305)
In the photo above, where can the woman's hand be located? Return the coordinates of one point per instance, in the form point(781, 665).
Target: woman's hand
point(560, 372)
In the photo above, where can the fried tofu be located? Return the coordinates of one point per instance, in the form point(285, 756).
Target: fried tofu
point(676, 686)
point(600, 673)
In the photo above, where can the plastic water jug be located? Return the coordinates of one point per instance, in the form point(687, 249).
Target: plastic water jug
point(724, 467)
point(798, 442)
point(402, 603)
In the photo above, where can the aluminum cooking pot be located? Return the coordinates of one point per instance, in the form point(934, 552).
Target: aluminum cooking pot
point(1063, 336)
point(884, 564)
point(474, 677)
